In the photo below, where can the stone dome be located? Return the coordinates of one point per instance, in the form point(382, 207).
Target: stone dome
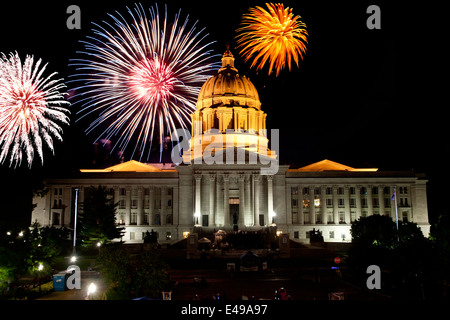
point(228, 88)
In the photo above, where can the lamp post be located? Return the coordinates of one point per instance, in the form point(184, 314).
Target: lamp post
point(75, 222)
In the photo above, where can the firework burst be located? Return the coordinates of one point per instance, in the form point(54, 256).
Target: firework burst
point(31, 109)
point(275, 35)
point(141, 78)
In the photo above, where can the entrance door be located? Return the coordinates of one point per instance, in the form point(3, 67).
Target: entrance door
point(234, 210)
point(261, 219)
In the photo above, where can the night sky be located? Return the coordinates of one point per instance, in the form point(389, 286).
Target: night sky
point(357, 97)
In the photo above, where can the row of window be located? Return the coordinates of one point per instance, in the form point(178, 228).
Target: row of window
point(134, 204)
point(341, 217)
point(352, 190)
point(156, 219)
point(403, 202)
point(123, 191)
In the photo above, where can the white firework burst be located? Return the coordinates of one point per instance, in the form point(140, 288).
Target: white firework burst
point(141, 78)
point(31, 109)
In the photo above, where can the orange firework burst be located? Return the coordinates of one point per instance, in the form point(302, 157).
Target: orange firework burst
point(276, 34)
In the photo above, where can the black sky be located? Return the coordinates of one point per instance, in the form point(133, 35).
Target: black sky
point(356, 99)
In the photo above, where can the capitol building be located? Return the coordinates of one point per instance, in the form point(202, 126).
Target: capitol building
point(228, 178)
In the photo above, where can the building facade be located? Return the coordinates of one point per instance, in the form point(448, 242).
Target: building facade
point(228, 178)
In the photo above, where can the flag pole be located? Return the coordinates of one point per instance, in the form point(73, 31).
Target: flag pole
point(395, 203)
point(75, 222)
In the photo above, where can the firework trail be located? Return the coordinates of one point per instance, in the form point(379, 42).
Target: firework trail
point(141, 78)
point(31, 109)
point(275, 35)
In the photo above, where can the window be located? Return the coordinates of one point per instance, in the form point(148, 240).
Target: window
point(305, 203)
point(341, 217)
point(169, 203)
point(316, 190)
point(352, 203)
point(405, 216)
point(169, 191)
point(234, 201)
point(364, 202)
point(121, 204)
point(169, 219)
point(132, 235)
point(296, 235)
point(340, 190)
point(305, 191)
point(331, 234)
point(294, 190)
point(60, 191)
point(133, 218)
point(374, 190)
point(352, 190)
point(294, 202)
point(168, 235)
point(329, 203)
point(387, 202)
point(317, 203)
point(341, 203)
point(387, 190)
point(363, 190)
point(375, 202)
point(123, 192)
point(134, 203)
point(329, 190)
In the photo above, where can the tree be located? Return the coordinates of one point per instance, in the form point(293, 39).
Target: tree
point(440, 237)
point(405, 253)
point(22, 251)
point(129, 276)
point(98, 218)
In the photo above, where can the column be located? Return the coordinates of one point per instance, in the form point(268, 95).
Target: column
point(151, 206)
point(140, 206)
point(241, 200)
point(128, 206)
point(335, 205)
point(256, 179)
point(163, 211)
point(226, 200)
point(358, 202)
point(219, 204)
point(270, 212)
point(197, 211)
point(323, 204)
point(212, 213)
point(381, 199)
point(369, 200)
point(347, 204)
point(312, 207)
point(116, 200)
point(301, 217)
point(248, 218)
point(175, 210)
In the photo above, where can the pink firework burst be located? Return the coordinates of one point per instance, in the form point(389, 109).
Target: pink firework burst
point(151, 80)
point(30, 109)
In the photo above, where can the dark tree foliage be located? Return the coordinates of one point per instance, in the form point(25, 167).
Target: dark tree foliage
point(405, 255)
point(98, 218)
point(129, 276)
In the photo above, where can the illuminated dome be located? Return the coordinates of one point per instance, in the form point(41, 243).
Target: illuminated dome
point(228, 88)
point(228, 103)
